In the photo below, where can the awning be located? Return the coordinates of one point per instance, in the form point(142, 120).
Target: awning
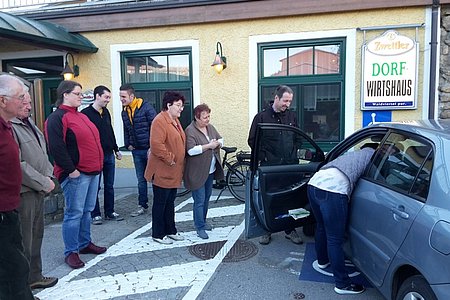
point(43, 34)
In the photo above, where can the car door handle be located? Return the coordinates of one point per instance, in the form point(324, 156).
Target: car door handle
point(297, 185)
point(400, 211)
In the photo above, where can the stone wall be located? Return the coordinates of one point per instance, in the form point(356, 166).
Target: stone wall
point(54, 205)
point(444, 63)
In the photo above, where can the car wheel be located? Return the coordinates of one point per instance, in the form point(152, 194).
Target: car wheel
point(415, 287)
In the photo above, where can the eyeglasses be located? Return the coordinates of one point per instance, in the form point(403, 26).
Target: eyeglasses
point(77, 94)
point(20, 97)
point(178, 106)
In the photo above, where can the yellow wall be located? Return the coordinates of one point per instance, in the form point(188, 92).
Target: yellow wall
point(227, 93)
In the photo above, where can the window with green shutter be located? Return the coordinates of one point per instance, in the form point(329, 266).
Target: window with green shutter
point(315, 70)
point(154, 72)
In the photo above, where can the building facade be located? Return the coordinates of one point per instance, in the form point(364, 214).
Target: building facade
point(321, 49)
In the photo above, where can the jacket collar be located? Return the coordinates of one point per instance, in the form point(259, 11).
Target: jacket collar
point(17, 121)
point(68, 108)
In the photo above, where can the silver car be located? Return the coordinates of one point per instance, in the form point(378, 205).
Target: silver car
point(399, 220)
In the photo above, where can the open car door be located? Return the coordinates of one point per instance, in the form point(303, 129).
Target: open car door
point(283, 160)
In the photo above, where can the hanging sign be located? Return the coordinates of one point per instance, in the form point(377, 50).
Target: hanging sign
point(389, 77)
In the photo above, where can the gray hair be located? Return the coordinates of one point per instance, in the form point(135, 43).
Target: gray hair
point(5, 84)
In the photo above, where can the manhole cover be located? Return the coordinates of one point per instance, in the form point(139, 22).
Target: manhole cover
point(240, 251)
point(206, 251)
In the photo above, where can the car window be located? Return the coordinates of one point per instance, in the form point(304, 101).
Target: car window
point(285, 147)
point(373, 141)
point(403, 163)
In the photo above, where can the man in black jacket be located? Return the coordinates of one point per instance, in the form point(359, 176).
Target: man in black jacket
point(278, 113)
point(100, 116)
point(137, 117)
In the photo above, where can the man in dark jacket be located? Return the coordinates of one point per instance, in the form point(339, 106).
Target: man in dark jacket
point(100, 116)
point(276, 113)
point(137, 117)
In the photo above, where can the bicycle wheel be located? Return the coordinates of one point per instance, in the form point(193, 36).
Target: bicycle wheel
point(236, 179)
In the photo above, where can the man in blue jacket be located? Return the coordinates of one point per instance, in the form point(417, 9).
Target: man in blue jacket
point(137, 117)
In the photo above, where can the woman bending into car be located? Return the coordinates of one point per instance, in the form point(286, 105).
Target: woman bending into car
point(329, 192)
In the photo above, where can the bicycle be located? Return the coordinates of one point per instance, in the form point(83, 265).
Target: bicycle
point(236, 169)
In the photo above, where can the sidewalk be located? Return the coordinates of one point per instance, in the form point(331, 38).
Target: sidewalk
point(126, 201)
point(135, 267)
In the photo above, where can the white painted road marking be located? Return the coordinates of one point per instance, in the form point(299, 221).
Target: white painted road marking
point(194, 274)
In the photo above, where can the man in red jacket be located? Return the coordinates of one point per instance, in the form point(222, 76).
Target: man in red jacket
point(14, 267)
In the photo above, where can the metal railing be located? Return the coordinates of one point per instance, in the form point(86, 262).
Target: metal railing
point(24, 3)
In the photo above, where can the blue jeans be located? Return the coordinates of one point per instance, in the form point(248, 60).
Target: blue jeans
point(201, 202)
point(330, 210)
point(109, 170)
point(140, 163)
point(163, 212)
point(80, 194)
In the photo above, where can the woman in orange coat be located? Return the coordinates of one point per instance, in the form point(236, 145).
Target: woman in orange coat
point(165, 167)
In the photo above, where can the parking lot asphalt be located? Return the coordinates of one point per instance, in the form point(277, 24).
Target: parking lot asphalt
point(135, 267)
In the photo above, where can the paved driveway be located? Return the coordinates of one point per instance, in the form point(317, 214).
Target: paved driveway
point(135, 267)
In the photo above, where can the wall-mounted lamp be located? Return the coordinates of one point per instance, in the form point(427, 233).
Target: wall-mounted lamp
point(67, 72)
point(220, 62)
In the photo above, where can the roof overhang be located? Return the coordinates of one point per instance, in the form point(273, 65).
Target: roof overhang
point(43, 34)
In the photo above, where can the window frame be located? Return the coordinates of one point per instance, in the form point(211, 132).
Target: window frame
point(158, 87)
point(416, 138)
point(157, 52)
point(296, 82)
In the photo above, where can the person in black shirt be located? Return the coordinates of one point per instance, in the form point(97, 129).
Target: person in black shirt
point(100, 116)
point(276, 112)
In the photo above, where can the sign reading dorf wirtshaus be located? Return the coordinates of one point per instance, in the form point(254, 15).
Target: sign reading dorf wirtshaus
point(389, 72)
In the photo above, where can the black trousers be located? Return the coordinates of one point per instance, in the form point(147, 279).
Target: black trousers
point(163, 212)
point(14, 267)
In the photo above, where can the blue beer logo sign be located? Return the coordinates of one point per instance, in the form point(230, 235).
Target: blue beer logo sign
point(389, 79)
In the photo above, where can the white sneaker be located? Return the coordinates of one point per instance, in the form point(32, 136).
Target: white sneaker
point(164, 241)
point(114, 216)
point(97, 220)
point(324, 266)
point(352, 289)
point(176, 237)
point(139, 212)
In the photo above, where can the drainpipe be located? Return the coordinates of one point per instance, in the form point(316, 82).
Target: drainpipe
point(433, 58)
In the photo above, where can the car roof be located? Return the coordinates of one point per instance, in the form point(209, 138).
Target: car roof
point(424, 127)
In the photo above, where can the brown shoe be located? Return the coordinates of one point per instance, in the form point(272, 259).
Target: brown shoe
point(74, 261)
point(44, 282)
point(93, 249)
